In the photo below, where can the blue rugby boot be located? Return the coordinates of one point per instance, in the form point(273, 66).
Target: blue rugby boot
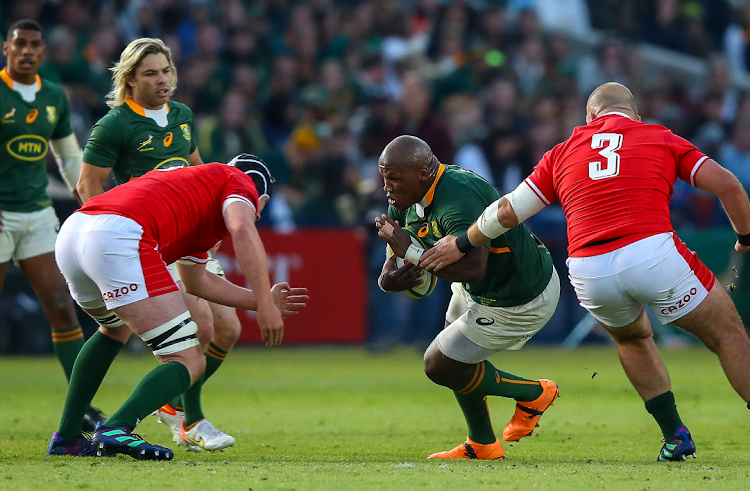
point(77, 447)
point(678, 448)
point(109, 440)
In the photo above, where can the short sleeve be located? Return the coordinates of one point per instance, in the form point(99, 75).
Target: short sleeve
point(541, 182)
point(458, 217)
point(103, 147)
point(63, 127)
point(238, 187)
point(687, 157)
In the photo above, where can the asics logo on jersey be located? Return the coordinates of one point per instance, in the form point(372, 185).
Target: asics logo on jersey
point(31, 117)
point(680, 303)
point(143, 144)
point(119, 292)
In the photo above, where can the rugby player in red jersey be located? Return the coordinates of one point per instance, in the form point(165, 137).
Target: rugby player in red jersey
point(613, 178)
point(113, 253)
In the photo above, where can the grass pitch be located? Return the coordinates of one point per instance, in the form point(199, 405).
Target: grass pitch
point(345, 419)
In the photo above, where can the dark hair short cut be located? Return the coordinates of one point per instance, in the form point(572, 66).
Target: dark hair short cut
point(26, 24)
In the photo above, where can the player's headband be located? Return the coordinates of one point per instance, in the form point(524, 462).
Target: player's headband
point(257, 170)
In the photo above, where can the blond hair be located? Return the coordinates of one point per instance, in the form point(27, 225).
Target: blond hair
point(131, 57)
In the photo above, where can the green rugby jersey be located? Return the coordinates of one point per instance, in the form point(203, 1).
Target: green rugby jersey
point(25, 131)
point(519, 266)
point(132, 144)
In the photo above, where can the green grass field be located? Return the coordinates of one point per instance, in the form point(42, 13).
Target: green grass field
point(345, 419)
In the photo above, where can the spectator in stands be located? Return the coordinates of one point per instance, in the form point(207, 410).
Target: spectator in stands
point(418, 119)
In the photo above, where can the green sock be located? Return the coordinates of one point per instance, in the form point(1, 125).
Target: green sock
point(664, 411)
point(67, 343)
point(191, 399)
point(89, 370)
point(214, 358)
point(488, 380)
point(158, 386)
point(477, 417)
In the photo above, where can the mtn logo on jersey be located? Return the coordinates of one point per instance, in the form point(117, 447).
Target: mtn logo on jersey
point(142, 146)
point(27, 147)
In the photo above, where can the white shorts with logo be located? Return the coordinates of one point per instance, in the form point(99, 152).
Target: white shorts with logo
point(108, 257)
point(477, 331)
point(28, 234)
point(659, 271)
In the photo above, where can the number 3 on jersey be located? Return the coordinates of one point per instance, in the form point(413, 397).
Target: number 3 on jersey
point(602, 170)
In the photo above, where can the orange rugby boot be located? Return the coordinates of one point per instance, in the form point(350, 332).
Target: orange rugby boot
point(527, 414)
point(473, 450)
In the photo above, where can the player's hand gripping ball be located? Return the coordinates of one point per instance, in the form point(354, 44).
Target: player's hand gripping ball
point(428, 280)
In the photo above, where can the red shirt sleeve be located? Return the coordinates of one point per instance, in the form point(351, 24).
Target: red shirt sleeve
point(241, 187)
point(687, 156)
point(541, 181)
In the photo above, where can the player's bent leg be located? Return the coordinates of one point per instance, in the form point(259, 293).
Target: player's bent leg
point(48, 283)
point(173, 340)
point(195, 432)
point(201, 315)
point(718, 325)
point(639, 357)
point(645, 369)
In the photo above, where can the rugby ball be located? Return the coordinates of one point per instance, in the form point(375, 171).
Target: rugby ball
point(428, 279)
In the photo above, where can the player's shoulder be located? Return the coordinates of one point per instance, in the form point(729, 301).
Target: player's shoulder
point(116, 115)
point(55, 89)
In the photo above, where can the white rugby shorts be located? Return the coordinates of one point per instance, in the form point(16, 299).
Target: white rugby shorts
point(108, 257)
point(28, 234)
point(212, 266)
point(477, 331)
point(659, 271)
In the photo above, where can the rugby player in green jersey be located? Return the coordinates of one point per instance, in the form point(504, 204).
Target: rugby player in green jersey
point(34, 117)
point(502, 294)
point(144, 130)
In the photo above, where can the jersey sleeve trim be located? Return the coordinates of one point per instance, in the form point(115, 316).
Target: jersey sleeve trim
point(695, 169)
point(199, 260)
point(537, 191)
point(236, 198)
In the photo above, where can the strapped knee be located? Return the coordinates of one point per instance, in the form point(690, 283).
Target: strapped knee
point(175, 335)
point(109, 319)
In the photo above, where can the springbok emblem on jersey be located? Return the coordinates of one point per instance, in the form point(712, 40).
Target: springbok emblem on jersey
point(186, 131)
point(8, 117)
point(51, 114)
point(143, 144)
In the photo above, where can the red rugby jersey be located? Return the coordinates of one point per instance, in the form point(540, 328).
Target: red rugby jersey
point(180, 208)
point(614, 178)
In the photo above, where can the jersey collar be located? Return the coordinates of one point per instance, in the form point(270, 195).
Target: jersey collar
point(427, 200)
point(138, 109)
point(9, 81)
point(618, 113)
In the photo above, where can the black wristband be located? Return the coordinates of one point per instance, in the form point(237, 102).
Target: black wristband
point(742, 239)
point(463, 244)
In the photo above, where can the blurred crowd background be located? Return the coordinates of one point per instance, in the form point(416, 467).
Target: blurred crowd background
point(319, 87)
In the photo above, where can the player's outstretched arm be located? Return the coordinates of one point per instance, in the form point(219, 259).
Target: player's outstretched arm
point(499, 217)
point(90, 181)
point(239, 218)
point(713, 178)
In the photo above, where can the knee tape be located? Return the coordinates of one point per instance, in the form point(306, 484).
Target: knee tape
point(109, 319)
point(176, 335)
